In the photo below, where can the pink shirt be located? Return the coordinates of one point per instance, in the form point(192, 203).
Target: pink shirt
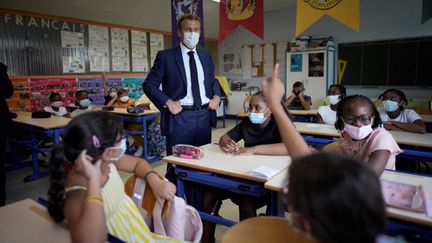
point(379, 139)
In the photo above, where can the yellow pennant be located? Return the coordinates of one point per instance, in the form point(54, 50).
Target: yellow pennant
point(310, 11)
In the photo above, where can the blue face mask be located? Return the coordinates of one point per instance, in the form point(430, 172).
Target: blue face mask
point(257, 118)
point(85, 102)
point(390, 106)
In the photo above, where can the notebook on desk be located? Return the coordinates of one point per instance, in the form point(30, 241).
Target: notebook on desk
point(263, 172)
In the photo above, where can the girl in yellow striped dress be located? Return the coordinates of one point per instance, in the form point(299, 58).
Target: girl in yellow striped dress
point(86, 188)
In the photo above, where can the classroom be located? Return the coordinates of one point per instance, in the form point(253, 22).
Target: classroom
point(216, 121)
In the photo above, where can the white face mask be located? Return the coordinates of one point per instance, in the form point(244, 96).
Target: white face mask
point(123, 147)
point(124, 99)
point(358, 133)
point(333, 99)
point(113, 94)
point(190, 39)
point(57, 104)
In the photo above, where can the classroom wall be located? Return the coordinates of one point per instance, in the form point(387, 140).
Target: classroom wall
point(379, 20)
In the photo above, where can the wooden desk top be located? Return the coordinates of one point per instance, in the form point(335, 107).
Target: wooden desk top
point(44, 123)
point(278, 182)
point(28, 221)
point(263, 229)
point(317, 129)
point(123, 112)
point(303, 112)
point(216, 161)
point(426, 118)
point(402, 138)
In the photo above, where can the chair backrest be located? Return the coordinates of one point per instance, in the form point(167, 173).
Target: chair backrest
point(148, 197)
point(331, 147)
point(264, 229)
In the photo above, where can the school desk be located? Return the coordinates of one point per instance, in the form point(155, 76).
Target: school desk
point(402, 220)
point(142, 118)
point(28, 221)
point(227, 172)
point(49, 127)
point(304, 115)
point(427, 119)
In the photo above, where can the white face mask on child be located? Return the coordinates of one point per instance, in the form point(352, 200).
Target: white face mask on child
point(358, 133)
point(122, 147)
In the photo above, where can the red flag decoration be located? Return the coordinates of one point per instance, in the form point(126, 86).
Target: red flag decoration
point(247, 13)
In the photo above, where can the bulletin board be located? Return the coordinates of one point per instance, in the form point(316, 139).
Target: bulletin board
point(262, 58)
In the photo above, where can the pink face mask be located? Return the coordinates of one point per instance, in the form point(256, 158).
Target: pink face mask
point(358, 133)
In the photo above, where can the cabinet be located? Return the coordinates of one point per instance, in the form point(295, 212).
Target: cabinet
point(315, 68)
point(236, 100)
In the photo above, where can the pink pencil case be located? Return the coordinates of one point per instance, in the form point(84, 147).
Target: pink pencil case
point(187, 151)
point(405, 196)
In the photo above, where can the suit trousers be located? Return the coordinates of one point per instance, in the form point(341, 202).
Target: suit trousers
point(190, 127)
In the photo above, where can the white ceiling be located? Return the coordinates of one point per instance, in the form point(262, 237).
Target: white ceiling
point(151, 14)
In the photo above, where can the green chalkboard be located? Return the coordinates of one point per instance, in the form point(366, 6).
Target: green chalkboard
point(402, 62)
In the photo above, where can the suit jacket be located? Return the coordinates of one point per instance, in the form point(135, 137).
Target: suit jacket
point(6, 91)
point(168, 70)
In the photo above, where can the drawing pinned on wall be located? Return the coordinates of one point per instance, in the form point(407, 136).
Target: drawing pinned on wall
point(296, 63)
point(73, 64)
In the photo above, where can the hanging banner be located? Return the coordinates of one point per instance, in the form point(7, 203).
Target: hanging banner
point(246, 13)
point(344, 11)
point(180, 8)
point(426, 11)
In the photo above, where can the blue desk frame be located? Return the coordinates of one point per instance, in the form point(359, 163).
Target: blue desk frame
point(143, 120)
point(210, 179)
point(33, 143)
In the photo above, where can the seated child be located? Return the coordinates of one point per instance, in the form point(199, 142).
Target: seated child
point(57, 107)
point(121, 100)
point(357, 118)
point(298, 100)
point(261, 136)
point(112, 93)
point(86, 188)
point(327, 113)
point(321, 184)
point(83, 102)
point(395, 116)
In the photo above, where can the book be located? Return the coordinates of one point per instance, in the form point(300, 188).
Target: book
point(263, 172)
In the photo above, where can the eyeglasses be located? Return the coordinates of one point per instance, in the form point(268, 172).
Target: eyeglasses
point(363, 119)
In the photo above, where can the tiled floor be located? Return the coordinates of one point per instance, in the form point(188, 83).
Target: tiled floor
point(18, 190)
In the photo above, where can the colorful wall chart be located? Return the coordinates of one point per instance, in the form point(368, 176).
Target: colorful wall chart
point(134, 87)
point(41, 89)
point(95, 88)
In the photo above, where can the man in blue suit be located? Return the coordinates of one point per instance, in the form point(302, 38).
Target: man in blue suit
point(190, 93)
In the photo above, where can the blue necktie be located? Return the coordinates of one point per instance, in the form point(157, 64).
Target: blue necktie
point(194, 80)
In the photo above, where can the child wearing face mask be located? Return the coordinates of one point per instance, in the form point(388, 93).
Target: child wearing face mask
point(83, 102)
point(122, 100)
point(298, 100)
point(320, 183)
point(57, 106)
point(261, 136)
point(395, 116)
point(86, 188)
point(327, 113)
point(359, 120)
point(259, 132)
point(111, 94)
